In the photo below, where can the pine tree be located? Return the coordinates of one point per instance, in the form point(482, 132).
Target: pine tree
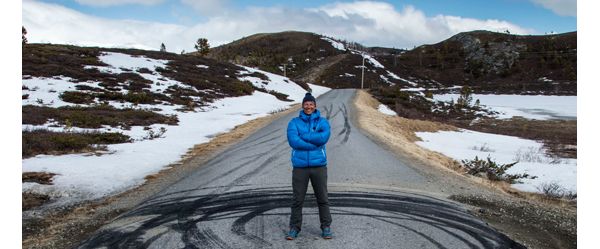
point(163, 48)
point(202, 46)
point(24, 32)
point(465, 98)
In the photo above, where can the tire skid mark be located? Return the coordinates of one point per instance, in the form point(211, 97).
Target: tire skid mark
point(347, 128)
point(244, 206)
point(185, 224)
point(212, 237)
point(242, 146)
point(171, 210)
point(328, 111)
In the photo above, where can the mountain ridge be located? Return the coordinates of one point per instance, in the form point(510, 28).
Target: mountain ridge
point(489, 62)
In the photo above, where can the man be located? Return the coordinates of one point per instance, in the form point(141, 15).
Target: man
point(307, 134)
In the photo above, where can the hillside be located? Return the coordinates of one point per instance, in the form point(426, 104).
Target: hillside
point(489, 62)
point(113, 112)
point(495, 62)
point(308, 58)
point(299, 51)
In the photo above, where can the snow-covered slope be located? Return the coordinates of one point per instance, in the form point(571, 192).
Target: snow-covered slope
point(88, 176)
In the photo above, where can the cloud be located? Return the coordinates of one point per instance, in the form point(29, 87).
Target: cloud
point(560, 7)
point(369, 23)
point(410, 26)
point(105, 3)
point(51, 23)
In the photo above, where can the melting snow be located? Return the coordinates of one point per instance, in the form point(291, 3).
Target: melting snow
point(84, 176)
point(466, 144)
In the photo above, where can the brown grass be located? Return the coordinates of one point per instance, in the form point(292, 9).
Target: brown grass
point(38, 177)
point(31, 200)
point(395, 130)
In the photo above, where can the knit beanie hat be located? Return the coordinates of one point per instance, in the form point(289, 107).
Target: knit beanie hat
point(309, 97)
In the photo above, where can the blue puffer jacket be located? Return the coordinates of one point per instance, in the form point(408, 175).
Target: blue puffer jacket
point(307, 135)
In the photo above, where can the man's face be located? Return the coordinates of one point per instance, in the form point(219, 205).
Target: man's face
point(309, 107)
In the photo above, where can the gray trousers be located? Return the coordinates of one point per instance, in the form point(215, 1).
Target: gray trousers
point(318, 180)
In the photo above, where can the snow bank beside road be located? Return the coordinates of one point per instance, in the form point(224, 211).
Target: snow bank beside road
point(466, 144)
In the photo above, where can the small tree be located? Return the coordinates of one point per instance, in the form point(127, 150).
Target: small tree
point(428, 94)
point(202, 46)
point(465, 98)
point(163, 48)
point(24, 32)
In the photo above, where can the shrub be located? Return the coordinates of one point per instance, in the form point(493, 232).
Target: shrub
point(139, 98)
point(493, 171)
point(93, 117)
point(144, 70)
point(555, 191)
point(48, 142)
point(76, 97)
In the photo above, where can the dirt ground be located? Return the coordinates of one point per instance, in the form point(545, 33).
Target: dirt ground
point(531, 219)
point(68, 226)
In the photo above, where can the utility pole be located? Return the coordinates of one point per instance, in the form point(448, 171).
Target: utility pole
point(362, 78)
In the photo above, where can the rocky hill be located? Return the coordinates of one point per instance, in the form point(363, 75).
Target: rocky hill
point(487, 61)
point(496, 62)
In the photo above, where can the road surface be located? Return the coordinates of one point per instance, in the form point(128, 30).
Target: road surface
point(241, 199)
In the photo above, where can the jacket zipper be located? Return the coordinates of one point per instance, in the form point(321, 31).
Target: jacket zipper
point(308, 151)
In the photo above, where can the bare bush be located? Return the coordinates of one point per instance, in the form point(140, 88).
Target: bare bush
point(530, 154)
point(493, 171)
point(278, 110)
point(151, 134)
point(484, 147)
point(555, 191)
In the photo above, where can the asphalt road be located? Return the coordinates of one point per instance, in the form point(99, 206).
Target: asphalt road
point(241, 199)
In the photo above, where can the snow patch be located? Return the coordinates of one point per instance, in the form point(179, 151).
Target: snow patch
point(116, 61)
point(539, 107)
point(335, 44)
point(466, 144)
point(386, 110)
